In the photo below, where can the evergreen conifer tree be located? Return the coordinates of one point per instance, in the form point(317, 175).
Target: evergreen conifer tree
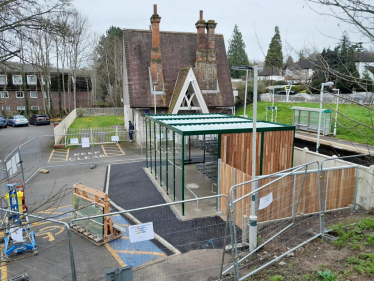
point(236, 53)
point(274, 57)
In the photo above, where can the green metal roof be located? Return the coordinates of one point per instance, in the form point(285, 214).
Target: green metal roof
point(311, 109)
point(200, 124)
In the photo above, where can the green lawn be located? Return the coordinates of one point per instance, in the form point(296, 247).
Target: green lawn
point(347, 129)
point(96, 121)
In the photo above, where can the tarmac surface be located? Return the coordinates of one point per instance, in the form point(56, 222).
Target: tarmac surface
point(131, 188)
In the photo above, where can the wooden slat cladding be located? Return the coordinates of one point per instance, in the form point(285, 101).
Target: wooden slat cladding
point(236, 150)
point(277, 153)
point(339, 187)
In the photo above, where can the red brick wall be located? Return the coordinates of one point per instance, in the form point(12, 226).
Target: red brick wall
point(83, 100)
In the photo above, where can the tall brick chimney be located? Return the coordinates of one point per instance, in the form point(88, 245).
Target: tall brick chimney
point(200, 65)
point(156, 62)
point(206, 63)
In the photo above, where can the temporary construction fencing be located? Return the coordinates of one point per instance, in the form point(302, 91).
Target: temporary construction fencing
point(54, 259)
point(257, 222)
point(180, 248)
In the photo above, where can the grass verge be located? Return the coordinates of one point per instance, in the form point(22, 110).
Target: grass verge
point(346, 129)
point(96, 122)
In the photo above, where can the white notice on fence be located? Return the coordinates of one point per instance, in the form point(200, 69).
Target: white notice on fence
point(141, 232)
point(115, 138)
point(74, 141)
point(266, 201)
point(85, 142)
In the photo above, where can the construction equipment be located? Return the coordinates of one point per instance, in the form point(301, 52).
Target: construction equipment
point(18, 238)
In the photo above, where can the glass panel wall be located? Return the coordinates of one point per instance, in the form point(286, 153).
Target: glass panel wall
point(163, 151)
point(178, 167)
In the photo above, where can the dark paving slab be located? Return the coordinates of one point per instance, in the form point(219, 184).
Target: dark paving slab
point(131, 188)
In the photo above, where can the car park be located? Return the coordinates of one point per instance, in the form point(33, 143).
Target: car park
point(284, 93)
point(18, 120)
point(39, 119)
point(3, 122)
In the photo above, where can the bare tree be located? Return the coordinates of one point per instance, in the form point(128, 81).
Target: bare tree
point(17, 17)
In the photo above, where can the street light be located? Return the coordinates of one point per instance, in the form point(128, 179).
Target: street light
point(253, 217)
point(336, 110)
point(244, 67)
point(327, 84)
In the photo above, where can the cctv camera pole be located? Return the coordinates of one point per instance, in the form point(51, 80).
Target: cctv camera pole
point(336, 110)
point(253, 217)
point(245, 95)
point(320, 111)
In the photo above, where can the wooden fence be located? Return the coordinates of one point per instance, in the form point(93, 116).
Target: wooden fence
point(291, 194)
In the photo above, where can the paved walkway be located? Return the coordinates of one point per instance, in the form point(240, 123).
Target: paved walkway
point(336, 143)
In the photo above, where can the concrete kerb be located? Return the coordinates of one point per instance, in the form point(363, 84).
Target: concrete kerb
point(158, 238)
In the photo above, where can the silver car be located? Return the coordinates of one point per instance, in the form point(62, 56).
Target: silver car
point(17, 120)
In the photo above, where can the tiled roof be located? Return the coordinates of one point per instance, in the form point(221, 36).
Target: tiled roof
point(270, 71)
point(178, 50)
point(365, 57)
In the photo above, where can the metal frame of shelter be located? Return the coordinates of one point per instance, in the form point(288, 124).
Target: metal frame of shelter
point(306, 119)
point(174, 128)
point(272, 88)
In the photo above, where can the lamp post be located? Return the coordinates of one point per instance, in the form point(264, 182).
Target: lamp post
point(253, 217)
point(244, 67)
point(336, 110)
point(323, 85)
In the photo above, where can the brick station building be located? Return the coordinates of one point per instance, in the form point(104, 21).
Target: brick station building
point(20, 82)
point(178, 72)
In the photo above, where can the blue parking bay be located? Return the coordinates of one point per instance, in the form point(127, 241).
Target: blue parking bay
point(133, 254)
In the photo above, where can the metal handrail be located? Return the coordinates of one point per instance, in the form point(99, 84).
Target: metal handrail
point(197, 201)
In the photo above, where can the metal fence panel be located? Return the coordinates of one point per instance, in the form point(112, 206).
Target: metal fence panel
point(281, 214)
point(183, 247)
point(30, 157)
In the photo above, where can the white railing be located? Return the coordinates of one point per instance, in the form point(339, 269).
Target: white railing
point(62, 128)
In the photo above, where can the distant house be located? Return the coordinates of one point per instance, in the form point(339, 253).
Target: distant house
point(176, 72)
point(271, 73)
point(365, 60)
point(299, 72)
point(19, 83)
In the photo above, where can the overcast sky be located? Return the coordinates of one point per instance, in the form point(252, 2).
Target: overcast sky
point(299, 25)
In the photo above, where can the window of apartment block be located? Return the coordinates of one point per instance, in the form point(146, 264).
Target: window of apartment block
point(33, 94)
point(304, 71)
point(17, 79)
point(3, 80)
point(48, 79)
point(31, 80)
point(21, 107)
point(7, 108)
point(33, 107)
point(4, 94)
point(19, 95)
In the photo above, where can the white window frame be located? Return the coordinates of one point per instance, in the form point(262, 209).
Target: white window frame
point(304, 71)
point(6, 96)
point(48, 79)
point(45, 94)
point(7, 108)
point(29, 82)
point(23, 95)
point(34, 107)
point(21, 107)
point(15, 82)
point(6, 80)
point(31, 97)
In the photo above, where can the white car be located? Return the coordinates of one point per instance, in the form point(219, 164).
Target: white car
point(18, 120)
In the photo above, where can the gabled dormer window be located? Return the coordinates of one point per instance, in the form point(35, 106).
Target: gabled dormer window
point(17, 80)
point(31, 80)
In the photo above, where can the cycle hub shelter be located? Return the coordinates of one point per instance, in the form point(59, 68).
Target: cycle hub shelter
point(183, 151)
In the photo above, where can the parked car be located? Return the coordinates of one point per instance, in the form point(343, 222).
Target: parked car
point(18, 120)
point(3, 122)
point(284, 92)
point(38, 119)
